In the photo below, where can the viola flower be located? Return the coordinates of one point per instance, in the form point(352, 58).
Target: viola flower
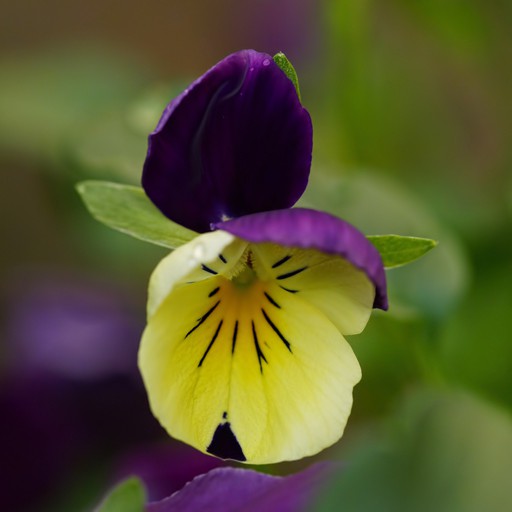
point(244, 355)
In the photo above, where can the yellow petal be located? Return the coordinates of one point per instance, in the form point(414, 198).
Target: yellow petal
point(252, 373)
point(207, 255)
point(332, 284)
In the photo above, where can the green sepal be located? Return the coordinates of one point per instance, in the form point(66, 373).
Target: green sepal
point(128, 496)
point(286, 66)
point(126, 208)
point(397, 250)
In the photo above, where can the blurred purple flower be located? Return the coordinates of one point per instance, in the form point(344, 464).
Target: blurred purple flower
point(71, 379)
point(74, 329)
point(234, 490)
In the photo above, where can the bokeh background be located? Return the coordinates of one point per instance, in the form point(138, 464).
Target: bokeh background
point(411, 105)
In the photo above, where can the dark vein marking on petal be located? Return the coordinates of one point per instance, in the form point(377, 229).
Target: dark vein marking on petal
point(249, 261)
point(214, 291)
point(210, 344)
point(224, 415)
point(235, 334)
point(292, 273)
point(281, 261)
point(271, 300)
point(276, 330)
point(288, 289)
point(202, 319)
point(259, 353)
point(210, 270)
point(225, 444)
point(221, 258)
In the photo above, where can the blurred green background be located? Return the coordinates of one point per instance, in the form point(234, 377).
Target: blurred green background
point(411, 109)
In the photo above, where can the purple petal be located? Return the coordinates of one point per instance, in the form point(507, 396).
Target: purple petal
point(237, 141)
point(230, 490)
point(312, 229)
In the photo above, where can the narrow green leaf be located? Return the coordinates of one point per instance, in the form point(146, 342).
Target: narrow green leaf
point(128, 209)
point(286, 66)
point(128, 496)
point(399, 250)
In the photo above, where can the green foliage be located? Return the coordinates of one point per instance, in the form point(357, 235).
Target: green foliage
point(47, 97)
point(282, 61)
point(397, 250)
point(113, 146)
point(109, 148)
point(128, 209)
point(442, 451)
point(390, 352)
point(474, 346)
point(378, 205)
point(128, 496)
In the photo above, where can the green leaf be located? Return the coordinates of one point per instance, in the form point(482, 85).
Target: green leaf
point(128, 496)
point(286, 66)
point(399, 250)
point(128, 209)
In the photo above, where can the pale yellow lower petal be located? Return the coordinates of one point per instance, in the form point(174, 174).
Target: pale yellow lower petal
point(330, 283)
point(264, 366)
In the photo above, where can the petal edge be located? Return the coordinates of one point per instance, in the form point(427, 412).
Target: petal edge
point(313, 229)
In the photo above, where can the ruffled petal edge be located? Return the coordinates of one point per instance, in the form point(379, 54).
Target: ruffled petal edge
point(313, 229)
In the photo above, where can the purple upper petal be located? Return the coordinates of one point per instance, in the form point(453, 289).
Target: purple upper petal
point(311, 229)
point(231, 490)
point(237, 141)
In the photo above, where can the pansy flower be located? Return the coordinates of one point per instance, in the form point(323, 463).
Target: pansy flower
point(244, 354)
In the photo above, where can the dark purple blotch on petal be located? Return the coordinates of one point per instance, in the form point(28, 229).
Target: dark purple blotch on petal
point(233, 489)
point(237, 141)
point(312, 229)
point(225, 444)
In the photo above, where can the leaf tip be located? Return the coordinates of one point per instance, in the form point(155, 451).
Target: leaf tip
point(287, 68)
point(80, 186)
